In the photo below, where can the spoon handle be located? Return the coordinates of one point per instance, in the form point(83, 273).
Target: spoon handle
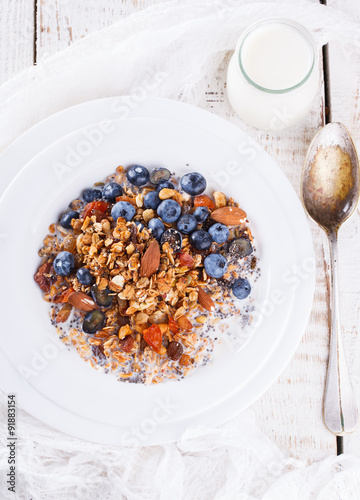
point(340, 411)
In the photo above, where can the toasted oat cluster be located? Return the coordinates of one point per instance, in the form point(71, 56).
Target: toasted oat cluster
point(140, 269)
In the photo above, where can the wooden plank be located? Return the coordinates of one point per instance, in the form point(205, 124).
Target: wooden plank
point(61, 22)
point(345, 106)
point(290, 413)
point(16, 37)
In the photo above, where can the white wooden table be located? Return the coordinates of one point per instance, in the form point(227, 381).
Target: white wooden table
point(290, 413)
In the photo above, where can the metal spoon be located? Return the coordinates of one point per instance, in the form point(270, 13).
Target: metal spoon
point(330, 192)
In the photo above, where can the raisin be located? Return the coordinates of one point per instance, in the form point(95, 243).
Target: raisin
point(98, 351)
point(173, 325)
point(63, 314)
point(175, 350)
point(127, 343)
point(69, 243)
point(184, 323)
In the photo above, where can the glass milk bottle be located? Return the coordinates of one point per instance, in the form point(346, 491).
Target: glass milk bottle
point(273, 75)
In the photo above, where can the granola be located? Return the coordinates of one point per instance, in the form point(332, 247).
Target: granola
point(142, 268)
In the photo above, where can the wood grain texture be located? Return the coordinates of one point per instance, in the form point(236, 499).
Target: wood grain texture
point(60, 22)
point(16, 37)
point(344, 77)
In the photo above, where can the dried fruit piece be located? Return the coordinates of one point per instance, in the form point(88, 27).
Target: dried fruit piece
point(184, 323)
point(230, 216)
point(204, 201)
point(175, 350)
point(41, 280)
point(82, 301)
point(173, 325)
point(97, 208)
point(150, 261)
point(205, 300)
point(153, 337)
point(163, 327)
point(69, 243)
point(127, 343)
point(186, 259)
point(63, 297)
point(127, 199)
point(63, 314)
point(185, 360)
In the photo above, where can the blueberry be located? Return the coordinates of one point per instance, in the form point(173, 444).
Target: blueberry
point(165, 185)
point(215, 265)
point(152, 200)
point(172, 237)
point(64, 263)
point(219, 232)
point(137, 175)
point(94, 321)
point(111, 191)
point(91, 194)
point(201, 240)
point(157, 227)
point(187, 224)
point(84, 276)
point(159, 175)
point(201, 214)
point(123, 209)
point(169, 211)
point(193, 183)
point(241, 288)
point(102, 298)
point(66, 218)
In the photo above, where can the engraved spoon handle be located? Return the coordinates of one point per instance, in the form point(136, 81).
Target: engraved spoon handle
point(340, 411)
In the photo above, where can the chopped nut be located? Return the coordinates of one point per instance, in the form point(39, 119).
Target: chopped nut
point(117, 283)
point(124, 331)
point(148, 215)
point(139, 200)
point(166, 193)
point(201, 319)
point(220, 199)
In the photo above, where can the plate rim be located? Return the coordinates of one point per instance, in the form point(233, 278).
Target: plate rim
point(290, 349)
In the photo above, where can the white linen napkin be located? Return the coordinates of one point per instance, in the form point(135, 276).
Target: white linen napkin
point(186, 41)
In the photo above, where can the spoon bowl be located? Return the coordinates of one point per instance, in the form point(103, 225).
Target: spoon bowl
point(330, 192)
point(330, 182)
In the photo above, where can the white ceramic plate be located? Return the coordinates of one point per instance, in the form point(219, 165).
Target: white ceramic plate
point(58, 387)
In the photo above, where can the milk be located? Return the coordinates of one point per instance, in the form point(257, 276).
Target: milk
point(273, 75)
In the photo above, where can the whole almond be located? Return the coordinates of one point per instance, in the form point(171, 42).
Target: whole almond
point(150, 261)
point(230, 216)
point(205, 300)
point(82, 302)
